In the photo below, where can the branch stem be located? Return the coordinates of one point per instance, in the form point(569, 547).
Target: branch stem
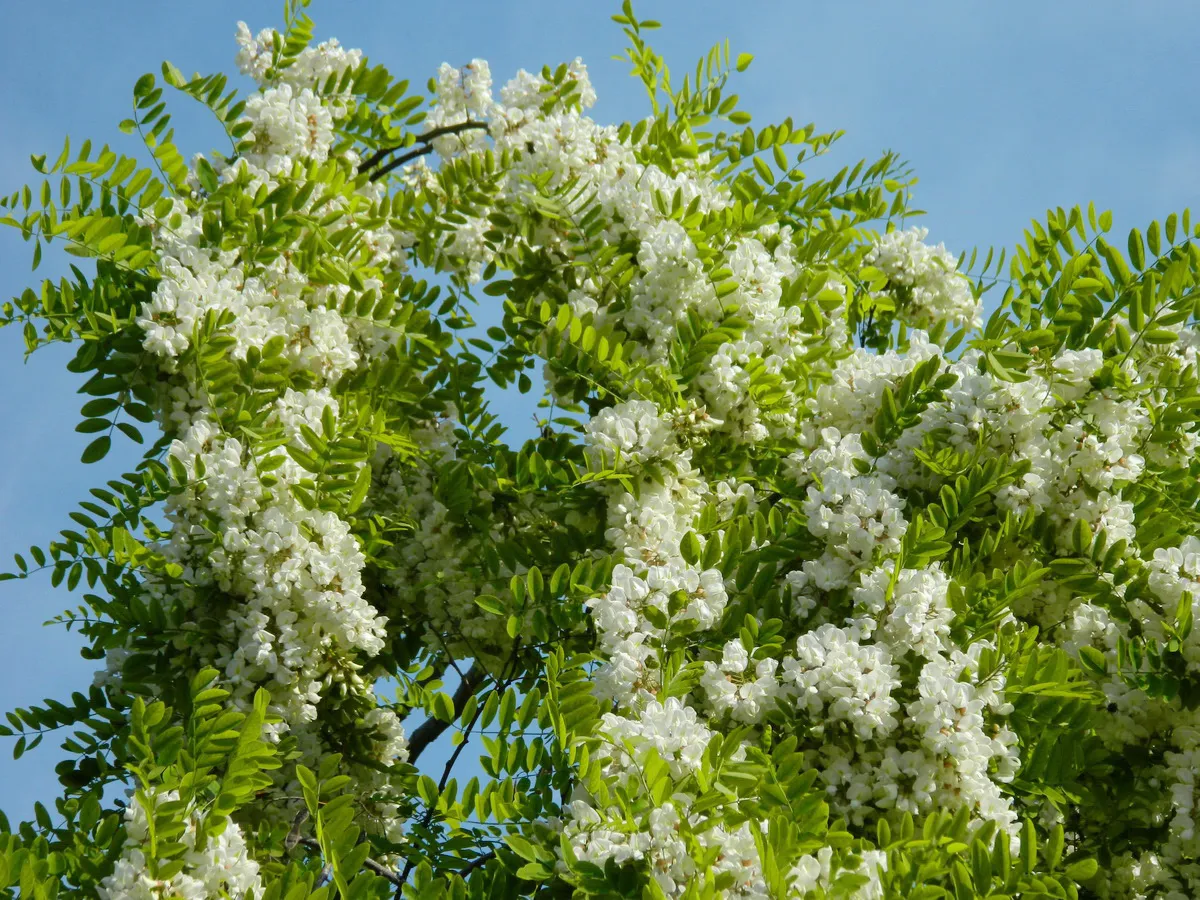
point(426, 140)
point(368, 863)
point(431, 729)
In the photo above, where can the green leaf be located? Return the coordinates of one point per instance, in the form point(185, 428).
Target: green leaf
point(206, 175)
point(490, 603)
point(172, 75)
point(101, 406)
point(1160, 336)
point(1083, 870)
point(764, 171)
point(523, 847)
point(1137, 250)
point(443, 707)
point(97, 449)
point(1093, 660)
point(362, 485)
point(536, 585)
point(1053, 849)
point(689, 548)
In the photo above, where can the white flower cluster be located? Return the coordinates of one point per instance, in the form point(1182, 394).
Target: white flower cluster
point(814, 876)
point(912, 614)
point(1170, 869)
point(658, 586)
point(542, 125)
point(288, 126)
point(925, 279)
point(275, 594)
point(836, 679)
point(731, 689)
point(760, 431)
point(1082, 444)
point(221, 867)
point(675, 735)
point(310, 68)
point(857, 515)
point(839, 674)
point(629, 434)
point(1174, 576)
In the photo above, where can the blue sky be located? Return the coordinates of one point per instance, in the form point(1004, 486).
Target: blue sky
point(1004, 109)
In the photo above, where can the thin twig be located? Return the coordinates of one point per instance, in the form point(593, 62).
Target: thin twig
point(476, 863)
point(427, 139)
point(368, 863)
point(506, 679)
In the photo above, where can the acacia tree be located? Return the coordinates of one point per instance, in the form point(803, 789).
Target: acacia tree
point(812, 584)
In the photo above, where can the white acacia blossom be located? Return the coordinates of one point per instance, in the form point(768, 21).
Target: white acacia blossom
point(809, 585)
point(220, 867)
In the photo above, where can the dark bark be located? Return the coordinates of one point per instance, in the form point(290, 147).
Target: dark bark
point(431, 729)
point(506, 679)
point(426, 142)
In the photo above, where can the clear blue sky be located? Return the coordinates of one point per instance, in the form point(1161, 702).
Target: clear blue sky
point(1005, 109)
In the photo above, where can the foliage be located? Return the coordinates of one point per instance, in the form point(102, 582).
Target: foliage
point(813, 583)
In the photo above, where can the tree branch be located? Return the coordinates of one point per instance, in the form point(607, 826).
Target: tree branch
point(476, 863)
point(459, 749)
point(506, 679)
point(426, 139)
point(368, 863)
point(431, 729)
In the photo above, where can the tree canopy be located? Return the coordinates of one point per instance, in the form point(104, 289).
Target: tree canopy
point(815, 582)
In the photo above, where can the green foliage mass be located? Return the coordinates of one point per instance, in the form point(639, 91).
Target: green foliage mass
point(181, 749)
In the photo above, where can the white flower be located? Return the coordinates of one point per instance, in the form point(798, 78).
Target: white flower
point(222, 867)
point(935, 290)
point(835, 678)
point(628, 435)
